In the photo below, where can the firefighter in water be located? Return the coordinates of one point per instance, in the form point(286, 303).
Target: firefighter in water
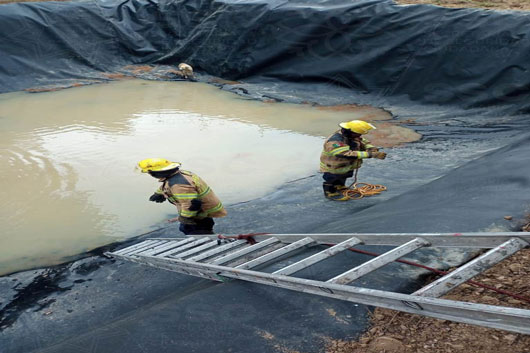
point(343, 153)
point(196, 203)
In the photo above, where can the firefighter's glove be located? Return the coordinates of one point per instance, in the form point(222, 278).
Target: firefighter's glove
point(378, 155)
point(196, 205)
point(186, 220)
point(158, 198)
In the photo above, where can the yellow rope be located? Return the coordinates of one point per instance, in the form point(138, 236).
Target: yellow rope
point(359, 190)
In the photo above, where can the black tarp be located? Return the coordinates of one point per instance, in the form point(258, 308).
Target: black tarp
point(431, 54)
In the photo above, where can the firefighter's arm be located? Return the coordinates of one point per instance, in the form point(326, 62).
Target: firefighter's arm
point(372, 150)
point(342, 150)
point(369, 147)
point(158, 196)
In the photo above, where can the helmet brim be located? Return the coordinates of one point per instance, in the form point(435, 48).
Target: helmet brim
point(172, 165)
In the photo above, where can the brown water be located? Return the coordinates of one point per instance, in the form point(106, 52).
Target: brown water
point(67, 180)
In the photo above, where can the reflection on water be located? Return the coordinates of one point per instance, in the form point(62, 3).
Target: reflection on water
point(67, 181)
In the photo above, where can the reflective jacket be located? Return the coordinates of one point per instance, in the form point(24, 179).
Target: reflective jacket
point(342, 155)
point(184, 186)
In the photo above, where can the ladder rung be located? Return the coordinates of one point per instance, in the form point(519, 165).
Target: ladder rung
point(218, 250)
point(378, 262)
point(143, 246)
point(181, 248)
point(311, 260)
point(194, 250)
point(275, 254)
point(165, 247)
point(476, 266)
point(234, 255)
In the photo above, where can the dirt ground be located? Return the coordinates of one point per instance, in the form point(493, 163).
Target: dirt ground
point(397, 332)
point(487, 4)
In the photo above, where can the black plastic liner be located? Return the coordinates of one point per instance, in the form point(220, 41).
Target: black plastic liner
point(436, 55)
point(452, 57)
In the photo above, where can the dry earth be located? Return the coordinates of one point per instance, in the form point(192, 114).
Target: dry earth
point(487, 4)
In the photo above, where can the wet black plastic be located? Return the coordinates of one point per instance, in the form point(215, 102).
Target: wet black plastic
point(452, 57)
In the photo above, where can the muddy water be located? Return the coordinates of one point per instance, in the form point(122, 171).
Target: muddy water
point(67, 179)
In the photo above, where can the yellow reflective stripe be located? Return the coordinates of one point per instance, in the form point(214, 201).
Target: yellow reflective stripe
point(367, 143)
point(187, 213)
point(339, 150)
point(363, 154)
point(176, 197)
point(197, 182)
point(214, 209)
point(159, 191)
point(183, 196)
point(205, 192)
point(336, 151)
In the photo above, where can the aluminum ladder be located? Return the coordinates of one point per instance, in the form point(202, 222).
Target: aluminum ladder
point(208, 257)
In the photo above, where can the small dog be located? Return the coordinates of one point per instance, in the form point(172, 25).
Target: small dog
point(187, 70)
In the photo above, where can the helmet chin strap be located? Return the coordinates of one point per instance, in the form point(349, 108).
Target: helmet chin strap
point(163, 173)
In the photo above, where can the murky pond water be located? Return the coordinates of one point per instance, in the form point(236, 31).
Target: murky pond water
point(67, 180)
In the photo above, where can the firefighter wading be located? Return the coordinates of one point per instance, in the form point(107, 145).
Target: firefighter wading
point(343, 153)
point(196, 202)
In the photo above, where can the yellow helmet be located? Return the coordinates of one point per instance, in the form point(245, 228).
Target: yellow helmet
point(157, 165)
point(357, 126)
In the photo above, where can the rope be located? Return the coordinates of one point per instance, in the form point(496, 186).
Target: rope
point(248, 237)
point(434, 270)
point(359, 190)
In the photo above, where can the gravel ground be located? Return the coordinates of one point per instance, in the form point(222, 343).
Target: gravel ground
point(397, 332)
point(523, 5)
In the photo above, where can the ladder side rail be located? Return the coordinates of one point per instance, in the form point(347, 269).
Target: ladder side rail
point(378, 262)
point(275, 254)
point(184, 247)
point(169, 245)
point(504, 318)
point(218, 250)
point(469, 270)
point(484, 240)
point(241, 252)
point(163, 263)
point(320, 256)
